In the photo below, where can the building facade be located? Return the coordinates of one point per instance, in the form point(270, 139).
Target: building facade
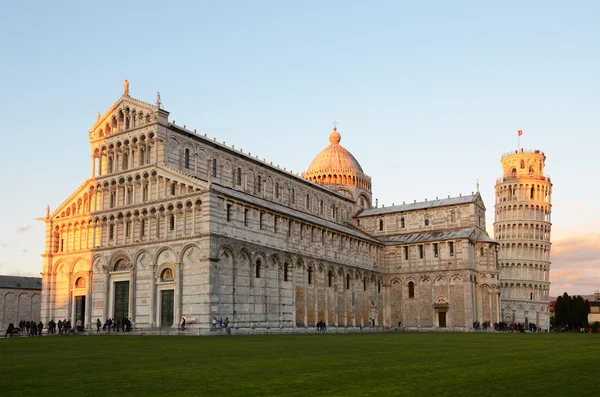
point(174, 224)
point(20, 299)
point(522, 227)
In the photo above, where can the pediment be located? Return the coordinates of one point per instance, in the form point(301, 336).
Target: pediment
point(125, 110)
point(75, 204)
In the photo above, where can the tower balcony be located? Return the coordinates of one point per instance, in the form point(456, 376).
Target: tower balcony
point(517, 176)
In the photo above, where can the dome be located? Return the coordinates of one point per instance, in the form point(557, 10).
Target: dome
point(334, 158)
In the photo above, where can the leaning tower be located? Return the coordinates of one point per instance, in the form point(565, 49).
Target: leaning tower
point(522, 227)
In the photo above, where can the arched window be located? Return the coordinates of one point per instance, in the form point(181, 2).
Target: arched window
point(310, 275)
point(186, 159)
point(258, 268)
point(214, 168)
point(365, 284)
point(522, 164)
point(514, 171)
point(238, 177)
point(453, 216)
point(321, 210)
point(259, 184)
point(167, 275)
point(276, 190)
point(381, 225)
point(307, 201)
point(80, 283)
point(286, 272)
point(121, 265)
point(402, 222)
point(411, 289)
point(379, 287)
point(171, 222)
point(347, 281)
point(125, 160)
point(531, 170)
point(481, 251)
point(532, 192)
point(329, 279)
point(293, 196)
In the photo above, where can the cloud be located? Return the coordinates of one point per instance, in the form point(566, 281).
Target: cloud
point(575, 264)
point(23, 229)
point(19, 272)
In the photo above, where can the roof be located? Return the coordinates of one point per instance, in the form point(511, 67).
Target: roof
point(334, 158)
point(256, 160)
point(470, 233)
point(420, 205)
point(292, 213)
point(19, 282)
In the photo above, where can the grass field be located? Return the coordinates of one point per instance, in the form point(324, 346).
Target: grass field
point(404, 364)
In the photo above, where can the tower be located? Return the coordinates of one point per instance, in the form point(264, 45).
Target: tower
point(522, 227)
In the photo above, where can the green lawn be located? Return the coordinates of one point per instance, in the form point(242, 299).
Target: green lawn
point(403, 364)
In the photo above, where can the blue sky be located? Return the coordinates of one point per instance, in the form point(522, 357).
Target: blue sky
point(427, 96)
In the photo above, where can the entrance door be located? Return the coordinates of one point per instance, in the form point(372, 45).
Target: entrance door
point(80, 309)
point(442, 319)
point(121, 300)
point(167, 299)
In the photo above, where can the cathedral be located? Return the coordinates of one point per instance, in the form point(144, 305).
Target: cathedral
point(172, 224)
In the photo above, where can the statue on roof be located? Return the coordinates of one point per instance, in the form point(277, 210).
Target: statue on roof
point(98, 116)
point(47, 211)
point(126, 88)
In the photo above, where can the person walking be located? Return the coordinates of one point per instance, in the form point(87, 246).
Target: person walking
point(227, 329)
point(98, 325)
point(182, 324)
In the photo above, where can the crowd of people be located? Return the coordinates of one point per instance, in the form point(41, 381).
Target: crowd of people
point(321, 326)
point(115, 325)
point(29, 328)
point(221, 324)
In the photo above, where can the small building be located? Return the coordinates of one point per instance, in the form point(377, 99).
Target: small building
point(594, 314)
point(21, 299)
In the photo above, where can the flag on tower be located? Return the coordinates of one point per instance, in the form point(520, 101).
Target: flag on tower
point(520, 132)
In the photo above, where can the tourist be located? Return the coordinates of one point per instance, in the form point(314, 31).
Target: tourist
point(221, 322)
point(182, 324)
point(98, 325)
point(227, 326)
point(40, 327)
point(10, 330)
point(214, 324)
point(78, 326)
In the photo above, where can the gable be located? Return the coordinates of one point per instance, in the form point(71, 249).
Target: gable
point(126, 113)
point(77, 203)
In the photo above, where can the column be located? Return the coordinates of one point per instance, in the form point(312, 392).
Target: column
point(133, 229)
point(70, 310)
point(195, 210)
point(87, 321)
point(166, 224)
point(178, 299)
point(133, 185)
point(93, 166)
point(131, 308)
point(185, 216)
point(152, 310)
point(100, 162)
point(106, 294)
point(130, 158)
point(149, 217)
point(101, 233)
point(497, 306)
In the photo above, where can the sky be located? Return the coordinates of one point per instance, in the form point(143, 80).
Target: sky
point(427, 96)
